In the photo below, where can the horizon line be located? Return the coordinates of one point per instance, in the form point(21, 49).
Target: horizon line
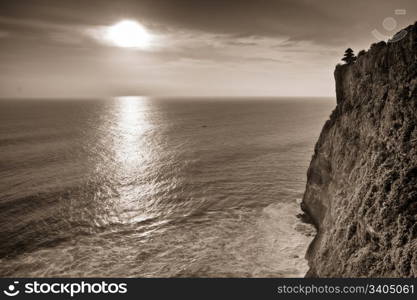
point(153, 97)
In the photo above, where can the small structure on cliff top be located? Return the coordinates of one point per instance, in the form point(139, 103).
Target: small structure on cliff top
point(349, 57)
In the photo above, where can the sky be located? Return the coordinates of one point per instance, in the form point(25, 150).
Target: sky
point(59, 48)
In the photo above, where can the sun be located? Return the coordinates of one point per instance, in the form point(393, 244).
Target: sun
point(129, 34)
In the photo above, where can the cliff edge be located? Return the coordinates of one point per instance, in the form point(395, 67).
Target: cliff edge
point(361, 191)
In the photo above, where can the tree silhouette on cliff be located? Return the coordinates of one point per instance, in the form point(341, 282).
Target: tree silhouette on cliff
point(349, 57)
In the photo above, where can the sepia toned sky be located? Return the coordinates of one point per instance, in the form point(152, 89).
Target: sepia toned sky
point(55, 48)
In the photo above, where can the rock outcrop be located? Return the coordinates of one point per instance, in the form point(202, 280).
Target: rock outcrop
point(361, 191)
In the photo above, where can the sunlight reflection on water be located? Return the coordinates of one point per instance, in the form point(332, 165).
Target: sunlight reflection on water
point(132, 154)
point(132, 124)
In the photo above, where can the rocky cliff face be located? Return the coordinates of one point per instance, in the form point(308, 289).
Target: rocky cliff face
point(362, 181)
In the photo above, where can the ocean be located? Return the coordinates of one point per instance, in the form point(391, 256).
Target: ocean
point(148, 187)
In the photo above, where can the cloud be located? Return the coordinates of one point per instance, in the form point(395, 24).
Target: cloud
point(324, 22)
point(200, 46)
point(4, 34)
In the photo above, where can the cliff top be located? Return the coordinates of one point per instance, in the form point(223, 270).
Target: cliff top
point(384, 61)
point(406, 37)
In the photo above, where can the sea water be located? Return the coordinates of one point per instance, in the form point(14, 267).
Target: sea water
point(147, 187)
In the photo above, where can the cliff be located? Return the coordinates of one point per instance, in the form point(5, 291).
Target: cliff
point(361, 191)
